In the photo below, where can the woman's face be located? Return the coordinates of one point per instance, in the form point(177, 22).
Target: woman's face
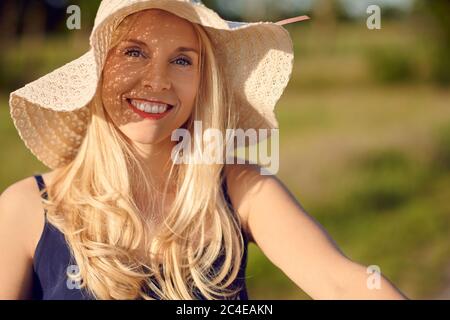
point(151, 78)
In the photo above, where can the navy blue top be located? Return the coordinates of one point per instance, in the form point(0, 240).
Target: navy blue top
point(53, 260)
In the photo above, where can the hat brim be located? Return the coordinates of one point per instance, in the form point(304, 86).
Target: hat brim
point(50, 113)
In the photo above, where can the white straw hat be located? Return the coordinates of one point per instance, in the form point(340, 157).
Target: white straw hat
point(51, 113)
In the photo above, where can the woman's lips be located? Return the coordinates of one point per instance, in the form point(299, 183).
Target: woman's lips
point(153, 116)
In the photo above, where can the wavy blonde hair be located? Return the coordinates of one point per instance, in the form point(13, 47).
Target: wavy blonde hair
point(92, 201)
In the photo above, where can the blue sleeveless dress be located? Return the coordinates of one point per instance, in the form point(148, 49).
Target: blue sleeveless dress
point(53, 261)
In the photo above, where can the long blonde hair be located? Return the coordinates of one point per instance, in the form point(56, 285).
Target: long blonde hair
point(92, 202)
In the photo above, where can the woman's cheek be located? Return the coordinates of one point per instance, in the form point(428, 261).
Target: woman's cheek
point(116, 82)
point(187, 89)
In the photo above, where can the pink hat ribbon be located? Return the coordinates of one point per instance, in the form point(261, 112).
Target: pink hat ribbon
point(292, 20)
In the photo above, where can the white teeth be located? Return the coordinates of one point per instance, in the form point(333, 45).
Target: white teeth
point(150, 107)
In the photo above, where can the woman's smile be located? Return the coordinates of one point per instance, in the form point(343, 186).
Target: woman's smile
point(153, 110)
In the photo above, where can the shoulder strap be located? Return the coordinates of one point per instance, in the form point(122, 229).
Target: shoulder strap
point(225, 188)
point(41, 184)
point(228, 201)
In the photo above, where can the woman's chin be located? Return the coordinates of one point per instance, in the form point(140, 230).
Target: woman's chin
point(146, 139)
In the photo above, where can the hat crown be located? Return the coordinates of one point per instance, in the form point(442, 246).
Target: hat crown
point(108, 7)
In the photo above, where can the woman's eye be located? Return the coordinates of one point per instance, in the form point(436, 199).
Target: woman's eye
point(184, 62)
point(135, 53)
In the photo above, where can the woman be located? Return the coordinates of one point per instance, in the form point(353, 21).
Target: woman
point(123, 220)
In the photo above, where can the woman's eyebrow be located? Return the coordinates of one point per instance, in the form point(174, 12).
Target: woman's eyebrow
point(184, 49)
point(179, 49)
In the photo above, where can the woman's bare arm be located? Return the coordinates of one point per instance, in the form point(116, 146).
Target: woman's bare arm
point(295, 242)
point(15, 259)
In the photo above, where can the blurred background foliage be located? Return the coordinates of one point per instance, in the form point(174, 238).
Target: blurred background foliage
point(364, 125)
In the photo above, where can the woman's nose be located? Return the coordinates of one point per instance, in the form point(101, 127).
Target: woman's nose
point(155, 76)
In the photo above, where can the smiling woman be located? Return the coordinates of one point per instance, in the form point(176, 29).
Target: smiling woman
point(121, 219)
point(145, 73)
point(124, 220)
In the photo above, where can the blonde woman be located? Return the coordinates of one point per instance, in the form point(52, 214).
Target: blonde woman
point(116, 217)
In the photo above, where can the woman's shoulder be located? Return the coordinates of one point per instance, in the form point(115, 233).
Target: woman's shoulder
point(21, 193)
point(241, 180)
point(22, 208)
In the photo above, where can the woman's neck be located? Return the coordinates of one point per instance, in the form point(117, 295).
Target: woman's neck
point(156, 159)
